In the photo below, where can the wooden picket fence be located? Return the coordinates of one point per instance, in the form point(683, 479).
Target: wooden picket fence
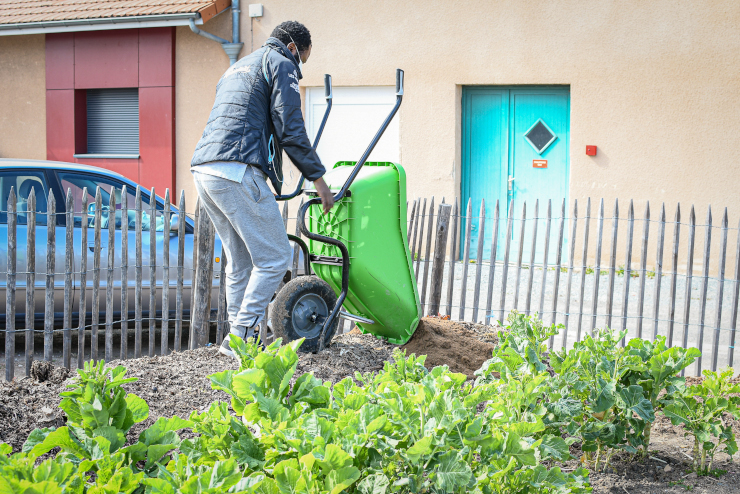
point(115, 328)
point(584, 307)
point(556, 286)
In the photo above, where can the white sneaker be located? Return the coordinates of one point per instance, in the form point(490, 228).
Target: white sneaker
point(225, 348)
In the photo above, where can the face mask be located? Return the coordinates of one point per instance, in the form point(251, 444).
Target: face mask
point(300, 62)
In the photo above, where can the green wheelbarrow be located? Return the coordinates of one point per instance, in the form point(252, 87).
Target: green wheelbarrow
point(358, 252)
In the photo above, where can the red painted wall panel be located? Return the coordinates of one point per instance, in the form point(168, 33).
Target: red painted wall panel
point(60, 134)
point(156, 57)
point(157, 137)
point(60, 61)
point(107, 59)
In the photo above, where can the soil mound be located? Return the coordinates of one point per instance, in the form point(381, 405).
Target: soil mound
point(348, 353)
point(457, 345)
point(43, 371)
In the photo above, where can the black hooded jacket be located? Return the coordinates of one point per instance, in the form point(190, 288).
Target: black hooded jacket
point(257, 114)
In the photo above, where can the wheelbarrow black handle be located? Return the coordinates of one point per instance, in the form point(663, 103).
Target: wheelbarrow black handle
point(328, 94)
point(374, 142)
point(317, 200)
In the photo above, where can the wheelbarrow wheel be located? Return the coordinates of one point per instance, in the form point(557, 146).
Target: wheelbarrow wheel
point(300, 309)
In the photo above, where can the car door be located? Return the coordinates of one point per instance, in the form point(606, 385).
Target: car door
point(77, 182)
point(23, 181)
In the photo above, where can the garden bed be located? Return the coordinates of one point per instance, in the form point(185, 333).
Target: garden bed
point(178, 384)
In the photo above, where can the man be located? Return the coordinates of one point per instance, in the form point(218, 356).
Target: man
point(256, 115)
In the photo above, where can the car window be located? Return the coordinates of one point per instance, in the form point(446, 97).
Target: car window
point(78, 182)
point(24, 182)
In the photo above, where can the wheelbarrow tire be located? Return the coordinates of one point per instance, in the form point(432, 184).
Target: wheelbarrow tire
point(297, 305)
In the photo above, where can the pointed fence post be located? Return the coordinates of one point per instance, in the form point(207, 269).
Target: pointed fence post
point(674, 273)
point(658, 270)
point(124, 277)
point(10, 287)
point(69, 257)
point(30, 280)
point(612, 266)
point(221, 316)
point(440, 249)
point(425, 277)
point(572, 240)
point(479, 258)
point(203, 277)
point(415, 219)
point(165, 330)
point(410, 222)
point(720, 293)
point(109, 275)
point(466, 260)
point(558, 267)
point(180, 270)
point(704, 286)
point(643, 268)
point(153, 271)
point(597, 269)
point(505, 268)
point(689, 278)
point(536, 218)
point(627, 268)
point(51, 221)
point(138, 213)
point(83, 281)
point(584, 262)
point(519, 257)
point(492, 265)
point(416, 258)
point(96, 277)
point(454, 242)
point(546, 252)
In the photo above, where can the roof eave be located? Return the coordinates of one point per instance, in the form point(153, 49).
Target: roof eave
point(75, 25)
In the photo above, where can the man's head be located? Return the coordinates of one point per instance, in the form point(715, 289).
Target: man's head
point(296, 37)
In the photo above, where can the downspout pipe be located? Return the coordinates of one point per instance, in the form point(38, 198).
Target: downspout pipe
point(232, 49)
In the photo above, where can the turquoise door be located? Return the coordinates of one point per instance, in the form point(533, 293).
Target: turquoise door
point(515, 147)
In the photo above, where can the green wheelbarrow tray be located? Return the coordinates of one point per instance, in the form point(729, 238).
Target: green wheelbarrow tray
point(371, 222)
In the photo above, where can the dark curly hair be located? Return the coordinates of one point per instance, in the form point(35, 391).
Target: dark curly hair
point(292, 29)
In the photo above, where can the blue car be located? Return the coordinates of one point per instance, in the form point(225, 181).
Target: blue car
point(45, 176)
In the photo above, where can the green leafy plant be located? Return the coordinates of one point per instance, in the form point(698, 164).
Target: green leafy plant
point(613, 414)
point(405, 429)
point(656, 371)
point(99, 415)
point(700, 409)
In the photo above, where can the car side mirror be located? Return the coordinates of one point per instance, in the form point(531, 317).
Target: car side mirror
point(174, 220)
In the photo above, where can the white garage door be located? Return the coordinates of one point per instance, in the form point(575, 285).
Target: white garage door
point(356, 115)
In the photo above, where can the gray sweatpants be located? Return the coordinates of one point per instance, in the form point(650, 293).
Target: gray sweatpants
point(248, 221)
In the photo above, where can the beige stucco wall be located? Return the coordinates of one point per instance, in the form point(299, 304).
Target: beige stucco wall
point(200, 63)
point(23, 97)
point(655, 85)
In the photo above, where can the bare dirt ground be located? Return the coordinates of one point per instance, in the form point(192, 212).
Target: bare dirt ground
point(178, 383)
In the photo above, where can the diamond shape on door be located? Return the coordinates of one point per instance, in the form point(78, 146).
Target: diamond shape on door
point(539, 136)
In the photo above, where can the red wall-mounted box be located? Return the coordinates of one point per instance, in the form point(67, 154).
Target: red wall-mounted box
point(590, 150)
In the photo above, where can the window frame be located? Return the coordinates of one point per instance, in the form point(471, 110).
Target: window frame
point(82, 129)
point(50, 185)
point(97, 177)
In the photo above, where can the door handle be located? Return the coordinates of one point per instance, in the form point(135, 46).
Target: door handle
point(511, 182)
